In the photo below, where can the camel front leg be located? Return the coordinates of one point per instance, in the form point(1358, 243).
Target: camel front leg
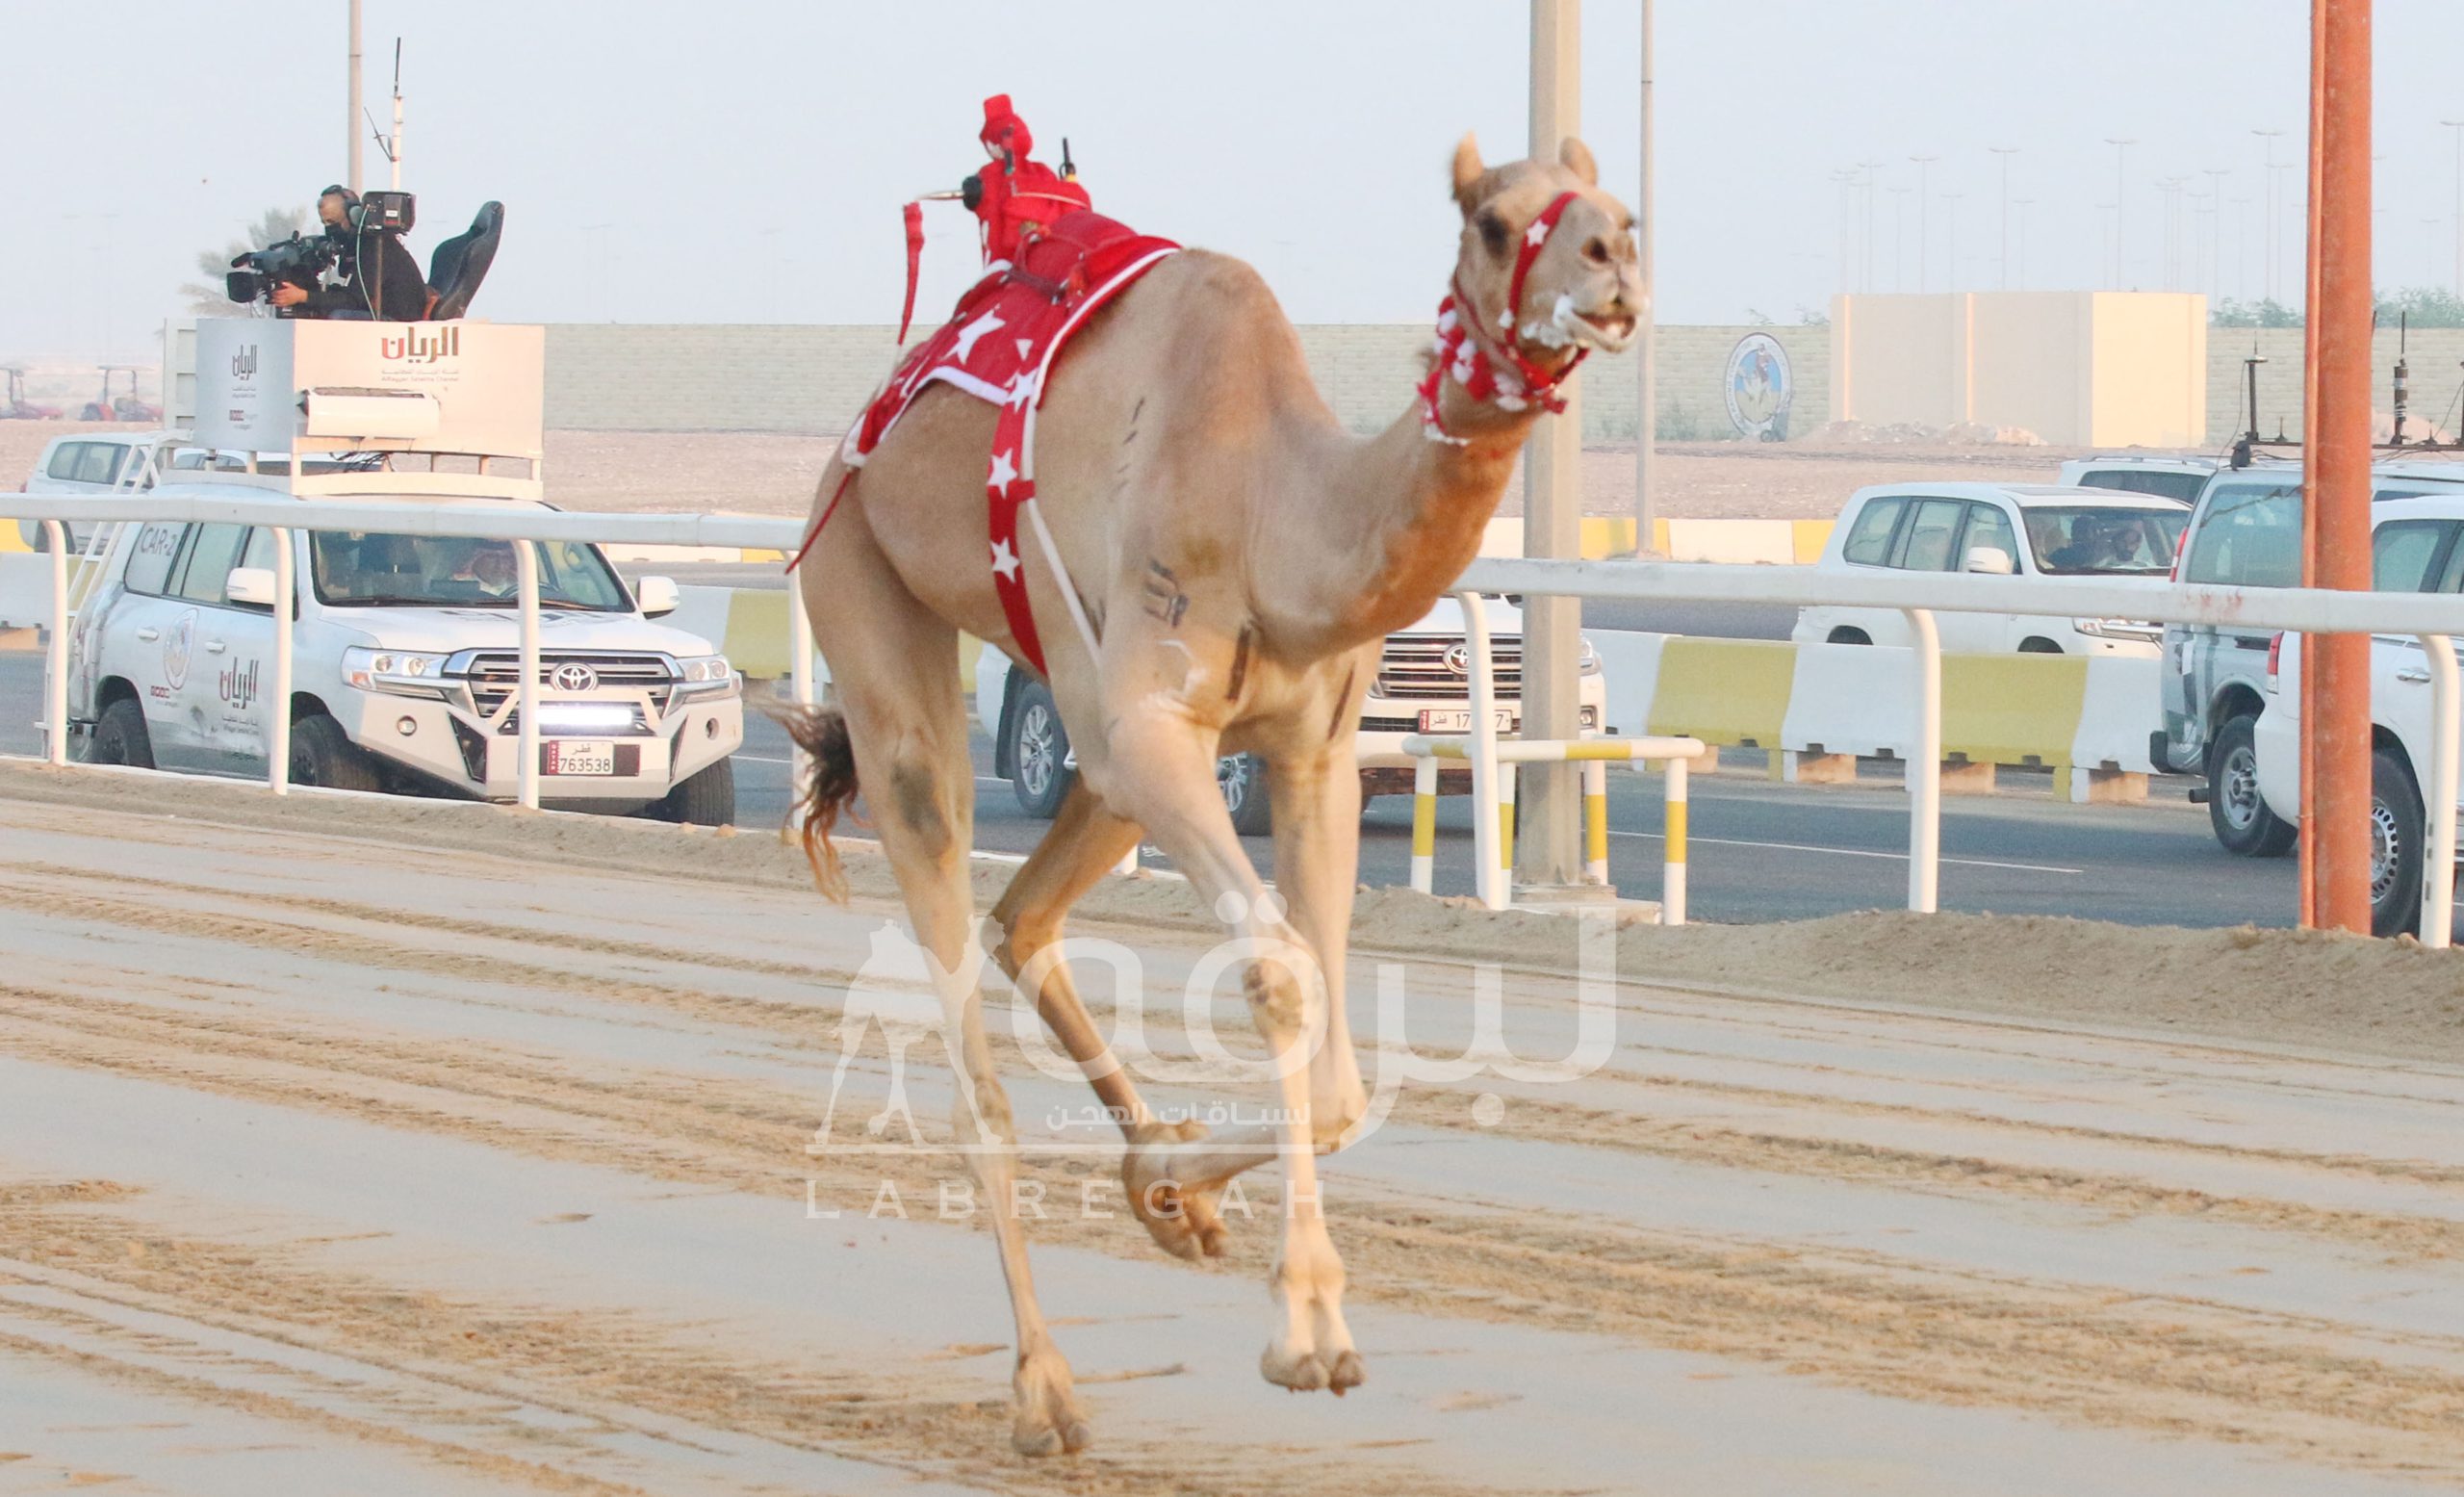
point(1159, 768)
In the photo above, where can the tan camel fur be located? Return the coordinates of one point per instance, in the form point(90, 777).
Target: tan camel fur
point(1241, 557)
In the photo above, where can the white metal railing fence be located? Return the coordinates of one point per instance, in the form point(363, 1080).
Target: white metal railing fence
point(2434, 618)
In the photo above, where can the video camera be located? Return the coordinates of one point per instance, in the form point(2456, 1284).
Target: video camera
point(302, 260)
point(298, 261)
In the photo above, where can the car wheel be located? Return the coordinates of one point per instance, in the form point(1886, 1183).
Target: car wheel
point(120, 738)
point(2398, 831)
point(2034, 645)
point(324, 756)
point(2241, 820)
point(1039, 754)
point(706, 798)
point(1241, 778)
point(1844, 635)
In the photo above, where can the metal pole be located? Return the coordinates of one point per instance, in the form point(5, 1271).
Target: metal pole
point(1424, 823)
point(2006, 153)
point(353, 108)
point(1487, 855)
point(2438, 872)
point(55, 654)
point(1925, 767)
point(2122, 145)
point(1646, 329)
point(394, 151)
point(2337, 454)
point(286, 584)
point(527, 556)
point(1550, 854)
point(1672, 867)
point(1924, 224)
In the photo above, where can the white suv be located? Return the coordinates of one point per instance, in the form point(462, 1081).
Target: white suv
point(1423, 686)
point(405, 668)
point(2168, 476)
point(2416, 545)
point(2018, 533)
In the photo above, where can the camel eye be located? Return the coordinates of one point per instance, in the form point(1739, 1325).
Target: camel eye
point(1596, 250)
point(1494, 232)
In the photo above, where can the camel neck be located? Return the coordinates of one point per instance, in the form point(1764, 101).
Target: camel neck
point(1379, 526)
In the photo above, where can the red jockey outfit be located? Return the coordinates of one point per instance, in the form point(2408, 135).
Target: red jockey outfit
point(1017, 196)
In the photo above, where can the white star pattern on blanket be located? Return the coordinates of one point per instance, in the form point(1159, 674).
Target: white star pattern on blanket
point(1005, 561)
point(967, 335)
point(1005, 471)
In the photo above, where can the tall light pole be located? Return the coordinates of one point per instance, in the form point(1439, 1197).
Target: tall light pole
point(351, 109)
point(1870, 168)
point(2006, 153)
point(2215, 176)
point(2457, 125)
point(1646, 339)
point(2122, 145)
point(1899, 238)
point(1549, 849)
point(1951, 250)
point(2268, 213)
point(1924, 233)
point(2021, 203)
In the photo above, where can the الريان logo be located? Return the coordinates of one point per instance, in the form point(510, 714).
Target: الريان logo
point(1758, 387)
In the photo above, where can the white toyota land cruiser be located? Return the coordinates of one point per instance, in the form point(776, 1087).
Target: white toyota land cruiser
point(405, 655)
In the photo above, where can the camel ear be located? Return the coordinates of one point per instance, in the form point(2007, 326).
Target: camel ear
point(1467, 170)
point(1576, 157)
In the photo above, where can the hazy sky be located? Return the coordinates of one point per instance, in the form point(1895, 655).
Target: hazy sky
point(744, 160)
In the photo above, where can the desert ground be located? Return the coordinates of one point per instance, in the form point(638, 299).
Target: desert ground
point(776, 473)
point(405, 1147)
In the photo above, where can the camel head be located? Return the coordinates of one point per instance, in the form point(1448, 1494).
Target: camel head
point(1585, 289)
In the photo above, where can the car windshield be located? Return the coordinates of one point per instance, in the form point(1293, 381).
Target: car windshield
point(2072, 540)
point(2184, 486)
point(374, 568)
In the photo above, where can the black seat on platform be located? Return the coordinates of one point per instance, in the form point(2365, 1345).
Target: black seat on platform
point(461, 263)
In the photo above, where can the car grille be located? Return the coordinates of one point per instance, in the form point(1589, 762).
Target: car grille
point(495, 675)
point(1415, 666)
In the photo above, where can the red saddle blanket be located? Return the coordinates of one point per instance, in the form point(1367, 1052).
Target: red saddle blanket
point(999, 345)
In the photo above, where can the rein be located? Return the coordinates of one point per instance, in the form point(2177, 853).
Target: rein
point(1470, 359)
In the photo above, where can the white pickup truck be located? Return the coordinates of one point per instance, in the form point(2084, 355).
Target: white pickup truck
point(404, 666)
point(1423, 686)
point(2417, 545)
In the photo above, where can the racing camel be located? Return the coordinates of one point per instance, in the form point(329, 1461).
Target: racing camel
point(1237, 558)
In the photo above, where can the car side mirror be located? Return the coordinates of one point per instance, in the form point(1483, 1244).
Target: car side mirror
point(252, 586)
point(657, 595)
point(1992, 560)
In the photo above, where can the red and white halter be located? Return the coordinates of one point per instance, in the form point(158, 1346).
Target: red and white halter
point(1468, 360)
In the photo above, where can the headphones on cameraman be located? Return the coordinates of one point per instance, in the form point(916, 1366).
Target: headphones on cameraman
point(352, 214)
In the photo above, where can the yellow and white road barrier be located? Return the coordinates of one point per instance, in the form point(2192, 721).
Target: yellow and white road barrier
point(1496, 859)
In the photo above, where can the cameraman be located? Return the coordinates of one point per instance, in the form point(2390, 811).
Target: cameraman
point(394, 293)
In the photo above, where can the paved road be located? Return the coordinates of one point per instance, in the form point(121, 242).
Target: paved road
point(1760, 851)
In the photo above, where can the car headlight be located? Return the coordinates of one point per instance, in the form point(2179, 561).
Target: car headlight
point(706, 672)
point(403, 672)
point(1590, 665)
point(2119, 629)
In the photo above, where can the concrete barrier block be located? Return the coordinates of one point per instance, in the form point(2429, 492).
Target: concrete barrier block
point(1967, 777)
point(1796, 769)
point(2013, 708)
point(25, 589)
point(1851, 700)
point(2121, 706)
point(2107, 787)
point(1733, 691)
point(1630, 671)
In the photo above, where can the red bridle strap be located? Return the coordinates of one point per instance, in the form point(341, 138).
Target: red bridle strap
point(1468, 358)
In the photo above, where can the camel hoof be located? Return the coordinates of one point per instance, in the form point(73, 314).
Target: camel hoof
point(1048, 1421)
point(1347, 1374)
point(1301, 1372)
point(1183, 1221)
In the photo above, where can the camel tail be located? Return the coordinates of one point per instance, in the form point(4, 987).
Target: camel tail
point(829, 788)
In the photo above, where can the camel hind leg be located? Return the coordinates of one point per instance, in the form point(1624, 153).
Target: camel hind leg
point(895, 669)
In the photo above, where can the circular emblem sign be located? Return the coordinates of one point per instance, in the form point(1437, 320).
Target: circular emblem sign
point(177, 646)
point(1758, 388)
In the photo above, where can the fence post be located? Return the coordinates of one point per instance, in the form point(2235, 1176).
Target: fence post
point(1424, 823)
point(286, 583)
point(526, 554)
point(1672, 872)
point(2438, 871)
point(1489, 799)
point(1925, 767)
point(55, 655)
point(1594, 822)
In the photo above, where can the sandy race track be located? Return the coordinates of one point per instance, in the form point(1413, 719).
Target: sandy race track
point(373, 1146)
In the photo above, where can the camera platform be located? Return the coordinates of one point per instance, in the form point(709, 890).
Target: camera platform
point(456, 407)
